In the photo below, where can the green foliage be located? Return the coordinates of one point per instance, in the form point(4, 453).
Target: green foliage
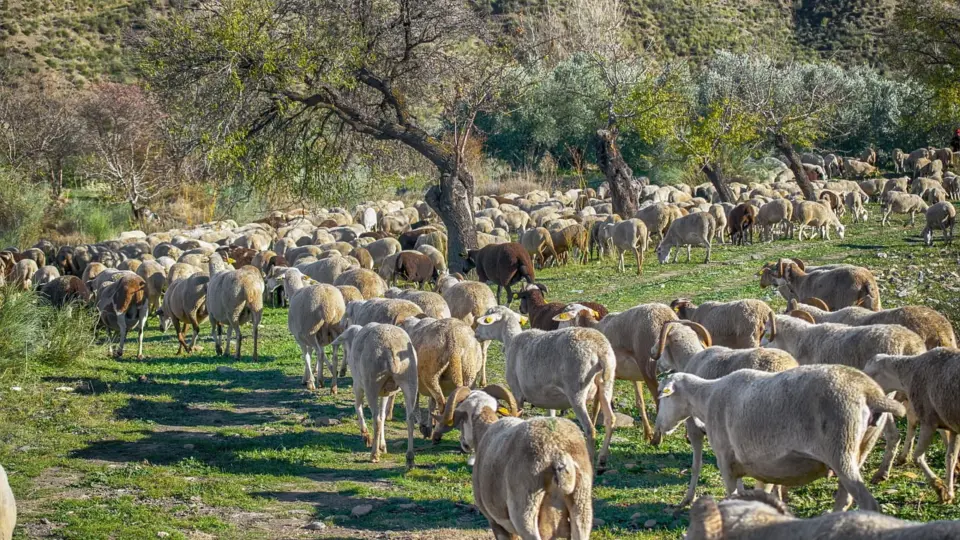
point(92, 218)
point(22, 208)
point(35, 333)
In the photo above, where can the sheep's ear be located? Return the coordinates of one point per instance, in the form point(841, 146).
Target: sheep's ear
point(667, 390)
point(565, 316)
point(489, 319)
point(595, 313)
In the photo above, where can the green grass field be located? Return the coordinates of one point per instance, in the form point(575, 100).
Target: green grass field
point(205, 447)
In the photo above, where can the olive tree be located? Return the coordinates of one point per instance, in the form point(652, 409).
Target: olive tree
point(282, 86)
point(790, 103)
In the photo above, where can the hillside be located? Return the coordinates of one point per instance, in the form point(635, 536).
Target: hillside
point(83, 40)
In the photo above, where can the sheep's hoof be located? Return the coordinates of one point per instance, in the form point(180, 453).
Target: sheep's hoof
point(367, 439)
point(375, 459)
point(310, 386)
point(409, 460)
point(426, 431)
point(196, 348)
point(878, 477)
point(139, 357)
point(333, 390)
point(902, 460)
point(942, 493)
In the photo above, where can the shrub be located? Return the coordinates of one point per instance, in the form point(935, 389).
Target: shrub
point(21, 210)
point(94, 219)
point(37, 334)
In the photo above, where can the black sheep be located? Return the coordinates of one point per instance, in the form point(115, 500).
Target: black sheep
point(503, 265)
point(416, 267)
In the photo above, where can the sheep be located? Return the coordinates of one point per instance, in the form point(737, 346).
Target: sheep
point(439, 261)
point(380, 249)
point(432, 304)
point(570, 238)
point(415, 267)
point(383, 361)
point(366, 281)
point(694, 229)
point(756, 514)
point(758, 424)
point(185, 302)
point(941, 216)
point(23, 272)
point(898, 156)
point(929, 382)
point(539, 244)
point(44, 275)
point(686, 346)
point(542, 313)
point(773, 213)
point(65, 289)
point(720, 215)
point(8, 507)
point(155, 276)
point(313, 319)
point(741, 221)
point(448, 356)
point(855, 201)
point(233, 298)
point(951, 183)
point(503, 265)
point(179, 271)
point(531, 478)
point(382, 310)
point(839, 287)
point(632, 333)
point(557, 370)
point(931, 326)
point(630, 235)
point(818, 216)
point(738, 324)
point(123, 306)
point(657, 217)
point(901, 203)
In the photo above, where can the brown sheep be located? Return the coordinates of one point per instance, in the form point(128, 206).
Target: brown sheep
point(741, 221)
point(503, 264)
point(542, 313)
point(415, 267)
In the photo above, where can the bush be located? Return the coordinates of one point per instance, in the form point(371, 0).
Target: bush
point(21, 210)
point(35, 333)
point(94, 219)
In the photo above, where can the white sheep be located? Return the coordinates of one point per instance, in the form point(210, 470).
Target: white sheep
point(693, 229)
point(8, 507)
point(233, 298)
point(383, 361)
point(314, 318)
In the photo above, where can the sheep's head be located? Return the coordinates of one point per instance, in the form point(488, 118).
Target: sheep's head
point(165, 320)
point(663, 253)
point(345, 339)
point(491, 324)
point(674, 407)
point(683, 307)
point(693, 339)
point(465, 407)
point(879, 369)
point(841, 230)
point(575, 315)
point(769, 330)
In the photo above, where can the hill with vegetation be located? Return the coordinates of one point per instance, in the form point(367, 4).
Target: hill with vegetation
point(86, 40)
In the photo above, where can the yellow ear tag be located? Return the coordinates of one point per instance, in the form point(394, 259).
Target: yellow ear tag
point(449, 422)
point(596, 315)
point(564, 316)
point(666, 392)
point(488, 320)
point(231, 261)
point(676, 309)
point(523, 320)
point(503, 411)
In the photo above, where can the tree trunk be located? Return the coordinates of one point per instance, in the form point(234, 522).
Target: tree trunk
point(796, 166)
point(624, 192)
point(452, 200)
point(715, 175)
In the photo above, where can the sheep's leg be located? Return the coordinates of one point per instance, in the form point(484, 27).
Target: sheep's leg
point(647, 428)
point(907, 450)
point(196, 334)
point(920, 458)
point(216, 332)
point(499, 533)
point(619, 260)
point(730, 481)
point(379, 434)
point(499, 288)
point(320, 360)
point(177, 328)
point(696, 436)
point(639, 257)
point(307, 369)
point(525, 514)
point(239, 330)
point(953, 448)
point(412, 402)
point(143, 313)
point(689, 247)
point(226, 349)
point(709, 249)
point(484, 345)
point(579, 406)
point(358, 406)
point(122, 323)
point(891, 437)
point(389, 407)
point(605, 391)
point(848, 473)
point(257, 316)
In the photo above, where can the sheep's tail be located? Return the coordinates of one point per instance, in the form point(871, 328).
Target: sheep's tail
point(254, 296)
point(879, 403)
point(576, 487)
point(564, 470)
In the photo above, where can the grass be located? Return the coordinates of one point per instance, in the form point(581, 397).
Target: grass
point(175, 445)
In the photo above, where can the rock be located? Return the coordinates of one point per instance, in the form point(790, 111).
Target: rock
point(142, 379)
point(361, 510)
point(597, 523)
point(163, 534)
point(630, 466)
point(623, 420)
point(188, 446)
point(881, 255)
point(636, 517)
point(326, 422)
point(226, 369)
point(407, 506)
point(16, 388)
point(316, 526)
point(611, 472)
point(65, 389)
point(650, 523)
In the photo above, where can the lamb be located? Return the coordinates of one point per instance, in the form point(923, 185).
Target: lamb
point(8, 507)
point(366, 281)
point(233, 298)
point(539, 244)
point(415, 267)
point(630, 235)
point(740, 222)
point(694, 229)
point(448, 357)
point(931, 326)
point(155, 276)
point(738, 324)
point(929, 381)
point(502, 264)
point(838, 287)
point(941, 216)
point(773, 213)
point(686, 347)
point(901, 203)
point(746, 412)
point(898, 158)
point(185, 302)
point(123, 306)
point(383, 361)
point(542, 313)
point(855, 201)
point(818, 216)
point(65, 289)
point(314, 318)
point(432, 304)
point(757, 515)
point(531, 478)
point(632, 334)
point(557, 370)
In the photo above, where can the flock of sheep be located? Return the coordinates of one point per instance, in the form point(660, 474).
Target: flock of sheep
point(783, 398)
